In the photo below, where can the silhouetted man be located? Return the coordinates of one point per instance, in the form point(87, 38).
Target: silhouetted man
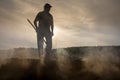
point(44, 27)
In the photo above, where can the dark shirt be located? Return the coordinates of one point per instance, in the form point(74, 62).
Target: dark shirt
point(45, 21)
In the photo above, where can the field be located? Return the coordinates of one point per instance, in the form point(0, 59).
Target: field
point(75, 63)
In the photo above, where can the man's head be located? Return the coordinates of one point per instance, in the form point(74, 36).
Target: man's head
point(47, 7)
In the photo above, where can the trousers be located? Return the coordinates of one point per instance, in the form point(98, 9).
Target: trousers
point(48, 41)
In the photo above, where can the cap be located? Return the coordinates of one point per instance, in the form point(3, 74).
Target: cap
point(47, 5)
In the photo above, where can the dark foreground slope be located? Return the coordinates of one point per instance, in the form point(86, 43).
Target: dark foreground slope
point(84, 63)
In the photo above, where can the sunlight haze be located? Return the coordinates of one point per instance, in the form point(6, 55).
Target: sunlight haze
point(77, 22)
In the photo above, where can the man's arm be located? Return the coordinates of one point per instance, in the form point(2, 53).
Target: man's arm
point(52, 26)
point(35, 23)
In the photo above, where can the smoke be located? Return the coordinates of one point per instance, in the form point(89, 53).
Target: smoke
point(63, 61)
point(25, 53)
point(4, 56)
point(101, 61)
point(71, 62)
point(18, 56)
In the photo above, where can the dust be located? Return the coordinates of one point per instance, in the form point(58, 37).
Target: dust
point(101, 61)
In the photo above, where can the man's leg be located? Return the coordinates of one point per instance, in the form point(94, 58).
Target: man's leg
point(40, 43)
point(48, 43)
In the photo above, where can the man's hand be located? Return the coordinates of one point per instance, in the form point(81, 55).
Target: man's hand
point(52, 34)
point(37, 29)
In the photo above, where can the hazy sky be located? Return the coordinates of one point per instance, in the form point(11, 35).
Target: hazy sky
point(77, 22)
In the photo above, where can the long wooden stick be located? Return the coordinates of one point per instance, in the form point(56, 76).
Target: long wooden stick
point(31, 24)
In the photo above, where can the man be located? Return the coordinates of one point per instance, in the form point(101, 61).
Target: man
point(44, 28)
